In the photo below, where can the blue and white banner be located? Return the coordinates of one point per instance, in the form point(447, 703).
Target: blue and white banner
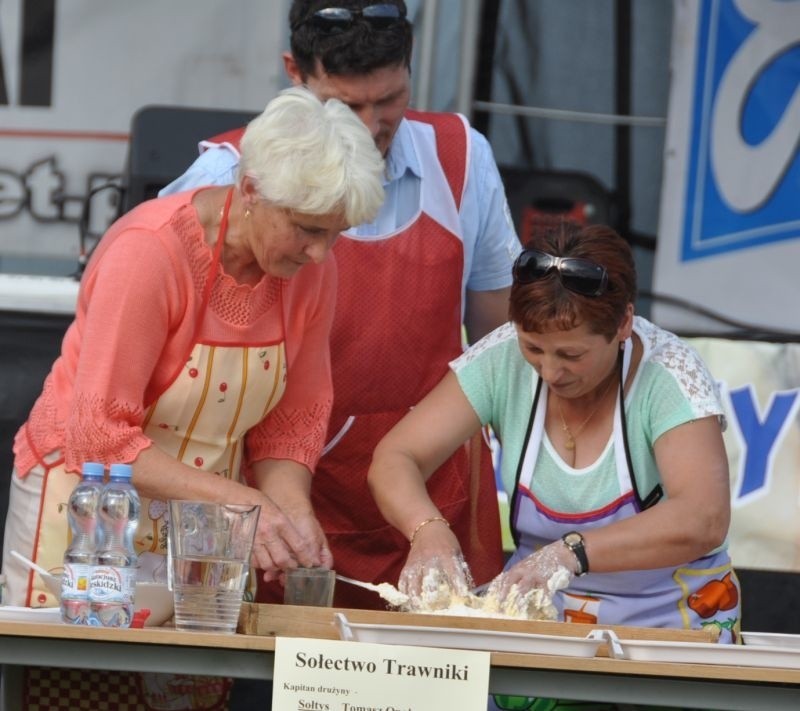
point(760, 385)
point(729, 232)
point(729, 241)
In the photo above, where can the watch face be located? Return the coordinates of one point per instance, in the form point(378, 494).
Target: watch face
point(573, 539)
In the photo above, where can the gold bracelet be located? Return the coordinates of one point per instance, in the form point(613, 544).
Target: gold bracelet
point(424, 523)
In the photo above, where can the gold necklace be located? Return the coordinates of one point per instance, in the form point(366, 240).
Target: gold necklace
point(571, 437)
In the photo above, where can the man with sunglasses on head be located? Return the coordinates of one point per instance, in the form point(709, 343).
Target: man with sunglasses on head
point(438, 255)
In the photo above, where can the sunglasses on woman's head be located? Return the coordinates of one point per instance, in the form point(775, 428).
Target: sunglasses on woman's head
point(338, 19)
point(581, 276)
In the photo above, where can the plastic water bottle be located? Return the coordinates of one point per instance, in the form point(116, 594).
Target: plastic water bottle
point(114, 579)
point(81, 554)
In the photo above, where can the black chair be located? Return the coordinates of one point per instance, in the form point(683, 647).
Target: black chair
point(163, 144)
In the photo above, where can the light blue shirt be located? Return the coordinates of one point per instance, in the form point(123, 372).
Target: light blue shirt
point(487, 229)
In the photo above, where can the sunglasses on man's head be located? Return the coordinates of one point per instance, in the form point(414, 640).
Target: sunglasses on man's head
point(338, 19)
point(581, 276)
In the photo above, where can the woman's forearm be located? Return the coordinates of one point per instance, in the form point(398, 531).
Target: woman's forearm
point(157, 475)
point(670, 533)
point(398, 487)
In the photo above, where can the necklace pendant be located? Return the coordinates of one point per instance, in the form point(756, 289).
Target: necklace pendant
point(570, 444)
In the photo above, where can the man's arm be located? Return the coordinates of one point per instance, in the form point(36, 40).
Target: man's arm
point(485, 311)
point(490, 242)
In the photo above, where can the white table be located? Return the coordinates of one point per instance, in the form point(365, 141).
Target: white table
point(249, 656)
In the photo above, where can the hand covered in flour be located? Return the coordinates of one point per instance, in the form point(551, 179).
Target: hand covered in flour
point(529, 585)
point(435, 573)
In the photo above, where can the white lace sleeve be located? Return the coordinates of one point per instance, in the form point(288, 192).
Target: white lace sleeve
point(500, 334)
point(687, 368)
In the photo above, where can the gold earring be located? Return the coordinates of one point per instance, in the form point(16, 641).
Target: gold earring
point(246, 213)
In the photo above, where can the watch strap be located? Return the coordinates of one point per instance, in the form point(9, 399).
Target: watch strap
point(574, 541)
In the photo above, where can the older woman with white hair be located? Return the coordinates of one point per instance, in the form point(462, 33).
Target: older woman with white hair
point(199, 350)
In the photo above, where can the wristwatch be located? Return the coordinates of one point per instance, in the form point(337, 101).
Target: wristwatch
point(574, 541)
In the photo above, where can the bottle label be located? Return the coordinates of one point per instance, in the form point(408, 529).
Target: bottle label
point(75, 581)
point(112, 584)
point(76, 612)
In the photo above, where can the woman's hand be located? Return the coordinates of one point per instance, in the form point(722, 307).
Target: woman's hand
point(286, 540)
point(289, 534)
point(435, 572)
point(549, 569)
point(401, 464)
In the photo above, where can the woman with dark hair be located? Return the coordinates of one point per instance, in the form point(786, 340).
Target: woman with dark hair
point(612, 457)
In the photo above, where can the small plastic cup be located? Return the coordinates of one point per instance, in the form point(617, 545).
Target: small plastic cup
point(309, 586)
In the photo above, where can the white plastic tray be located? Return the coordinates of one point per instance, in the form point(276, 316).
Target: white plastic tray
point(10, 613)
point(456, 638)
point(708, 653)
point(772, 639)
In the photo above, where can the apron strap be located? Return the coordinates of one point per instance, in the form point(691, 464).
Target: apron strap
point(215, 257)
point(642, 503)
point(515, 492)
point(657, 493)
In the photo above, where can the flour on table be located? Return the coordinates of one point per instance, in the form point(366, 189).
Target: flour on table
point(438, 598)
point(391, 594)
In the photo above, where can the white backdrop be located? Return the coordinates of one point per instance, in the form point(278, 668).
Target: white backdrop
point(109, 59)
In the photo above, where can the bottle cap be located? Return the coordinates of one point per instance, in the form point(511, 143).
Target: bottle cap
point(121, 471)
point(92, 470)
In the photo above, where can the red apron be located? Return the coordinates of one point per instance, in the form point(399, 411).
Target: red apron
point(408, 286)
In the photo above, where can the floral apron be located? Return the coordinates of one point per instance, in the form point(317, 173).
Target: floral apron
point(697, 594)
point(200, 419)
point(703, 592)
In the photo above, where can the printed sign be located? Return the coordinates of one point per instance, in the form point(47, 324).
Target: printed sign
point(355, 676)
point(73, 74)
point(729, 232)
point(760, 385)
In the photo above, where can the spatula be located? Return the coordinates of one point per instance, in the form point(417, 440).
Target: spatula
point(53, 582)
point(386, 590)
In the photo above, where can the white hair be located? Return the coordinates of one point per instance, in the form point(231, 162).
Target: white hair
point(313, 157)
